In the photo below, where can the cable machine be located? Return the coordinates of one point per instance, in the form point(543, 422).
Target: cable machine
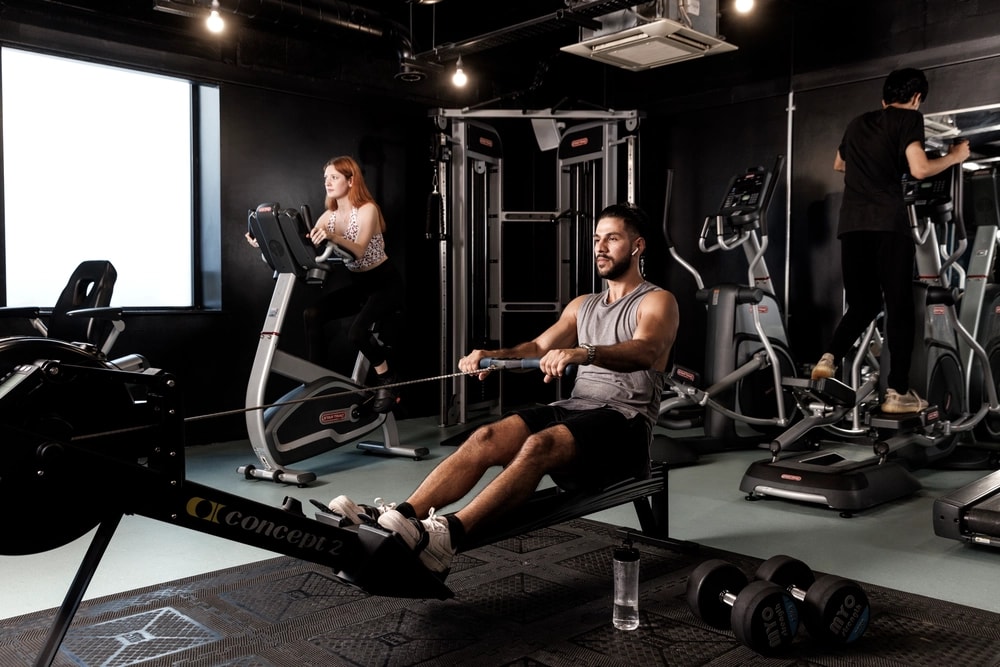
point(505, 274)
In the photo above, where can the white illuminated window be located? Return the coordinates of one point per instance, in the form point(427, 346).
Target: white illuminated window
point(97, 164)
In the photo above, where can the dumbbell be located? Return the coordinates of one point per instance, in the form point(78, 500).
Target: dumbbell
point(833, 609)
point(762, 615)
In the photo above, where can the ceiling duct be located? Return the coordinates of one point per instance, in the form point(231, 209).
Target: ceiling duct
point(653, 34)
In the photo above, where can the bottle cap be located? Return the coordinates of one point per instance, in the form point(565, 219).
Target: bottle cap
point(626, 553)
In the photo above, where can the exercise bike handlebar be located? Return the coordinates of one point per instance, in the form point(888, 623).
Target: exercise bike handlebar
point(282, 234)
point(332, 248)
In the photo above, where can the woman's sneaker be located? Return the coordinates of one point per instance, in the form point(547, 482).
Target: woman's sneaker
point(896, 403)
point(356, 514)
point(386, 398)
point(429, 537)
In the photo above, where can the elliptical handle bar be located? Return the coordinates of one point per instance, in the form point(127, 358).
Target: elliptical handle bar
point(957, 193)
point(669, 188)
point(779, 163)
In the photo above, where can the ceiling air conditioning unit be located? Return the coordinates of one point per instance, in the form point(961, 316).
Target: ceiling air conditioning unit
point(634, 41)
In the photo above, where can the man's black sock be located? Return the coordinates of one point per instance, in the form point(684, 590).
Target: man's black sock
point(456, 530)
point(406, 509)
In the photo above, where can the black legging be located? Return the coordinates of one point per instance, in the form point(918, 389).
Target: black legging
point(878, 268)
point(374, 296)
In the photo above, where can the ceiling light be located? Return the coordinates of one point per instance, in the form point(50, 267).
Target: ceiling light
point(459, 78)
point(744, 6)
point(214, 22)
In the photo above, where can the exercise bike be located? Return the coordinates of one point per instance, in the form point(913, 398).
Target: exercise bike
point(747, 351)
point(836, 476)
point(328, 409)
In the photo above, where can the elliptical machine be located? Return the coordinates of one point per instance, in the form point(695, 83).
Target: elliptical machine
point(747, 351)
point(972, 512)
point(328, 409)
point(837, 477)
point(979, 310)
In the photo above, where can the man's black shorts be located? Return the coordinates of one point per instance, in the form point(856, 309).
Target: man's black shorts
point(610, 447)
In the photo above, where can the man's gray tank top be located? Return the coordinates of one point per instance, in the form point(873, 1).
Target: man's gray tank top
point(601, 323)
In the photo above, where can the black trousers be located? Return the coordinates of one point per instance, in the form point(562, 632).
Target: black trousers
point(373, 297)
point(877, 268)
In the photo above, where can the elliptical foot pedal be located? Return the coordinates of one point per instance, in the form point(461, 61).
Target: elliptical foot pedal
point(825, 390)
point(911, 421)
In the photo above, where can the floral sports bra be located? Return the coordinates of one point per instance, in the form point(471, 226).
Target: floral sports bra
point(374, 253)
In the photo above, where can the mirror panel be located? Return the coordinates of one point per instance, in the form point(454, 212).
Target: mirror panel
point(980, 125)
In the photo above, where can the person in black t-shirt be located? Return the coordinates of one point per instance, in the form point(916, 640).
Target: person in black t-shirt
point(877, 247)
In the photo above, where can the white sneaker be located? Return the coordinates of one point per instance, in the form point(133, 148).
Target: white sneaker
point(896, 403)
point(356, 513)
point(430, 537)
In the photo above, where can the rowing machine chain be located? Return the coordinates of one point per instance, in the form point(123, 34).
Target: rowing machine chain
point(226, 413)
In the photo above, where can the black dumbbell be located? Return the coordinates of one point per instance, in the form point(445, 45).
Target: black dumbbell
point(834, 610)
point(762, 615)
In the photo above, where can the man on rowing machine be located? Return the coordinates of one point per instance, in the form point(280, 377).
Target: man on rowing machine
point(620, 339)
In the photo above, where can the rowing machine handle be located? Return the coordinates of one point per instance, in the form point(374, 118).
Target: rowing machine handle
point(488, 362)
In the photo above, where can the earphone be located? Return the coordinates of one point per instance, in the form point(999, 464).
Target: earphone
point(635, 251)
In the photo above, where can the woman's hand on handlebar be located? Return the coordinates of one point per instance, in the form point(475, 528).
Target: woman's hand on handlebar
point(319, 234)
point(251, 240)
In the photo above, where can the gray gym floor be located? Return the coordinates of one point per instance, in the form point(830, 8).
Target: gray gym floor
point(893, 545)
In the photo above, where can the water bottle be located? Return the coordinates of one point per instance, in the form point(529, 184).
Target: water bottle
point(626, 575)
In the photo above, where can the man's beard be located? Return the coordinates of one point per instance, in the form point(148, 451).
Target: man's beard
point(616, 270)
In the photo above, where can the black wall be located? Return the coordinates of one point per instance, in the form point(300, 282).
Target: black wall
point(706, 120)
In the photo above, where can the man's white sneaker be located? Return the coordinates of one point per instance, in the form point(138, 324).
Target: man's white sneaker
point(360, 513)
point(429, 537)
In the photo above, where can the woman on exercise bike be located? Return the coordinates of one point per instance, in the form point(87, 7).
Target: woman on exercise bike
point(354, 222)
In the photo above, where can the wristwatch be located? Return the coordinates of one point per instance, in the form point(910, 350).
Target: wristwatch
point(591, 353)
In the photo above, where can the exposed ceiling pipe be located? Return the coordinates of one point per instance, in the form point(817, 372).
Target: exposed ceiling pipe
point(314, 14)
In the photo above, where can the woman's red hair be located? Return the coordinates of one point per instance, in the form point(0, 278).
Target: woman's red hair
point(358, 194)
